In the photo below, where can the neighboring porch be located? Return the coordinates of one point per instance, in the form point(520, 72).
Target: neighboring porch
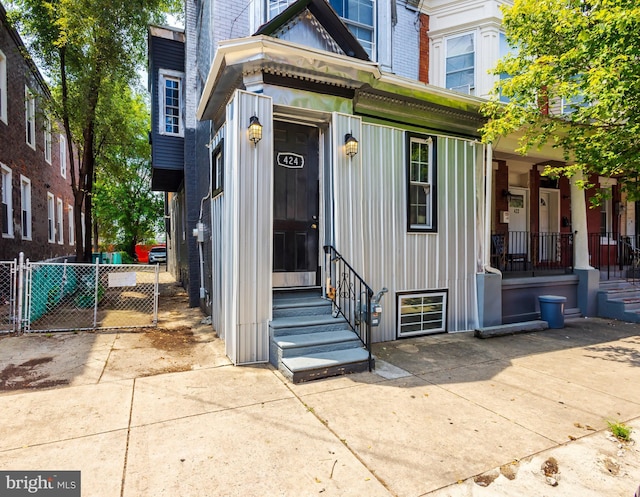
point(534, 264)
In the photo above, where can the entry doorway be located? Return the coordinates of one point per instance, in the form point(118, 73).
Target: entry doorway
point(549, 225)
point(295, 205)
point(518, 247)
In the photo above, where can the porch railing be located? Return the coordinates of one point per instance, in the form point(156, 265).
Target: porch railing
point(522, 253)
point(615, 255)
point(529, 253)
point(350, 295)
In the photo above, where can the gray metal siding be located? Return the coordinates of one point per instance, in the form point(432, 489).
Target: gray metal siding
point(371, 225)
point(246, 226)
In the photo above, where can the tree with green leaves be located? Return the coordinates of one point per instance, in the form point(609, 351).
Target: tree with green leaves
point(582, 56)
point(90, 50)
point(126, 211)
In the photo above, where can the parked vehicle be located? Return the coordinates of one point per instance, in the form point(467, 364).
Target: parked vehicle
point(157, 255)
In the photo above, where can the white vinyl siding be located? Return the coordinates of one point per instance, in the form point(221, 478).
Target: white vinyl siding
point(25, 206)
point(6, 216)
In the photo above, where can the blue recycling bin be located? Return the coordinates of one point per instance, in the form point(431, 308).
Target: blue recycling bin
point(552, 310)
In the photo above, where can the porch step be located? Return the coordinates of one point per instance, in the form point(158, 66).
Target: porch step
point(308, 342)
point(322, 365)
point(619, 300)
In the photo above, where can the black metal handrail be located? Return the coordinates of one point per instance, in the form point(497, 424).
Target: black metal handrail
point(350, 295)
point(615, 255)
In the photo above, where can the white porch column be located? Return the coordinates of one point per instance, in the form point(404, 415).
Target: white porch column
point(579, 223)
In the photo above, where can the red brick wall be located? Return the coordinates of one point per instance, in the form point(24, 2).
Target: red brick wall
point(423, 73)
point(17, 155)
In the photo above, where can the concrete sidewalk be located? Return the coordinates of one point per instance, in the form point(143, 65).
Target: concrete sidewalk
point(446, 415)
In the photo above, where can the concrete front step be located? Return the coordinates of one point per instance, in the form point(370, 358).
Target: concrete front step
point(322, 365)
point(620, 301)
point(313, 343)
point(301, 307)
point(298, 325)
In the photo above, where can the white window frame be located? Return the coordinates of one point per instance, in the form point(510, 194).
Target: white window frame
point(425, 318)
point(3, 88)
point(72, 234)
point(51, 218)
point(427, 184)
point(30, 117)
point(448, 39)
point(59, 221)
point(47, 140)
point(25, 207)
point(165, 75)
point(7, 199)
point(369, 46)
point(63, 156)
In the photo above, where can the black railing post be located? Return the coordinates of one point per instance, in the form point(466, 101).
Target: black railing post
point(348, 290)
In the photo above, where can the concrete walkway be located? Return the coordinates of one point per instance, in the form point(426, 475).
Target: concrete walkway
point(447, 415)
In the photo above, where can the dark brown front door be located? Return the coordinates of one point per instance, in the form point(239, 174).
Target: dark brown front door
point(295, 205)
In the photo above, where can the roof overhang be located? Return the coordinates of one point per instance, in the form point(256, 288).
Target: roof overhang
point(240, 58)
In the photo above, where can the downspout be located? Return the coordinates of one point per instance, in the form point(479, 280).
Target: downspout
point(486, 266)
point(199, 233)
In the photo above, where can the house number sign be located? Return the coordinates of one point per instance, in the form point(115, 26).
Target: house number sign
point(290, 160)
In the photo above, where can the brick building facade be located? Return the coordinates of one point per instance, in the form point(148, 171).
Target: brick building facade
point(36, 214)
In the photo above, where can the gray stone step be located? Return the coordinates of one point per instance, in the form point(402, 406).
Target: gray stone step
point(300, 307)
point(322, 365)
point(313, 343)
point(298, 325)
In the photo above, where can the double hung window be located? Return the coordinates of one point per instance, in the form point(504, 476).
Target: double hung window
point(422, 189)
point(6, 216)
point(30, 117)
point(25, 201)
point(171, 94)
point(460, 64)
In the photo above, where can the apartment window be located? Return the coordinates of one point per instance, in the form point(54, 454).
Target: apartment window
point(30, 117)
point(277, 6)
point(59, 223)
point(460, 63)
point(171, 103)
point(71, 223)
point(3, 87)
point(504, 51)
point(47, 140)
point(422, 189)
point(422, 313)
point(63, 156)
point(7, 203)
point(359, 16)
point(217, 169)
point(25, 203)
point(51, 218)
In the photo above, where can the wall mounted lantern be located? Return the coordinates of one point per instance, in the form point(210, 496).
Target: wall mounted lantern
point(350, 145)
point(255, 130)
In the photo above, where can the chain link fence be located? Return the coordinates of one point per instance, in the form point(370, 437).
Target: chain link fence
point(74, 296)
point(8, 292)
